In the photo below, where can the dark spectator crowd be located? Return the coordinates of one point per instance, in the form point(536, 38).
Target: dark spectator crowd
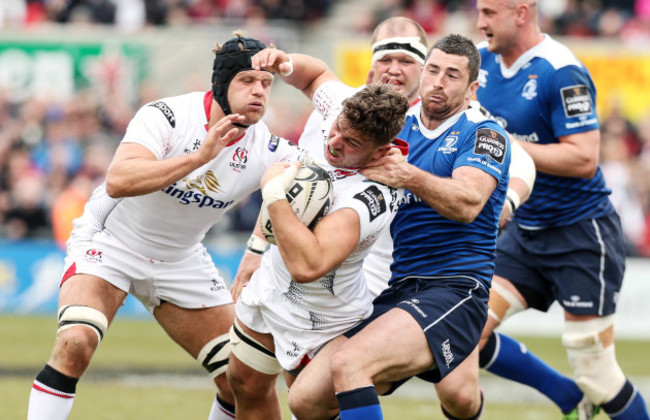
point(53, 153)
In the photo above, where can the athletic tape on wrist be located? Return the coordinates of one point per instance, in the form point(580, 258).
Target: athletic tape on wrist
point(512, 197)
point(256, 245)
point(276, 188)
point(290, 71)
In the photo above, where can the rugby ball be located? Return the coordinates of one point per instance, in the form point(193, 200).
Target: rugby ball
point(310, 195)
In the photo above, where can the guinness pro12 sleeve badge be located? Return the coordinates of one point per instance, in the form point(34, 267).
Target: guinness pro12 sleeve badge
point(490, 143)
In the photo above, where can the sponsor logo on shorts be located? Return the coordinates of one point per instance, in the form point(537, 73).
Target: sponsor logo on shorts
point(166, 110)
point(215, 285)
point(576, 302)
point(490, 143)
point(446, 352)
point(413, 303)
point(239, 159)
point(295, 352)
point(374, 200)
point(93, 256)
point(576, 101)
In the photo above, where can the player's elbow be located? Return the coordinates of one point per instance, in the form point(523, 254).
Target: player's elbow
point(113, 189)
point(588, 169)
point(305, 273)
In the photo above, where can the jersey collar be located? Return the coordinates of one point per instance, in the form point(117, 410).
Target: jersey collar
point(207, 106)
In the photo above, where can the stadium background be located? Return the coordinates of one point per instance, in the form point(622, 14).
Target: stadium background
point(72, 73)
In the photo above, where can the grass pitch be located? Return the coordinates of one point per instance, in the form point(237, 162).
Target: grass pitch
point(139, 373)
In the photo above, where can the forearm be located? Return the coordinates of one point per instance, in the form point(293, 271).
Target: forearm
point(562, 159)
point(308, 74)
point(139, 176)
point(453, 199)
point(298, 245)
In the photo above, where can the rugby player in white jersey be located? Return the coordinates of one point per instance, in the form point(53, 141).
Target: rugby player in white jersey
point(184, 161)
point(310, 287)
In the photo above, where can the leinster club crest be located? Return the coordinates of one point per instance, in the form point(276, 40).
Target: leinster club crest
point(530, 89)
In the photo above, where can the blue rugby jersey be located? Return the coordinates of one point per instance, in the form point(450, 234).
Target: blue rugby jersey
point(428, 245)
point(545, 94)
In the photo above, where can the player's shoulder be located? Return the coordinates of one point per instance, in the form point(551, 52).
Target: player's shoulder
point(173, 108)
point(556, 54)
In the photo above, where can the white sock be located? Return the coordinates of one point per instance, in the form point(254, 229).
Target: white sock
point(46, 403)
point(221, 410)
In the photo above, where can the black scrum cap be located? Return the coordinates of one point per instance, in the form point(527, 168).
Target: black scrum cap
point(233, 57)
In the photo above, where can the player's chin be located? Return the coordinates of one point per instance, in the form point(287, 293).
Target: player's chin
point(253, 117)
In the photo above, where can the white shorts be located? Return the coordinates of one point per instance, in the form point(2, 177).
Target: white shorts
point(192, 282)
point(263, 308)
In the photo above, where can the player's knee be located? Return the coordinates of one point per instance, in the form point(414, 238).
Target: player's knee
point(590, 349)
point(462, 400)
point(342, 362)
point(502, 305)
point(303, 408)
point(214, 355)
point(81, 329)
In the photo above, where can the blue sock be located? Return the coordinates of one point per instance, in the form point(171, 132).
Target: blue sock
point(510, 359)
point(628, 404)
point(360, 404)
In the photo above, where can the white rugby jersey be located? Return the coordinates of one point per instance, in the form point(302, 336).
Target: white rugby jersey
point(342, 293)
point(376, 265)
point(168, 224)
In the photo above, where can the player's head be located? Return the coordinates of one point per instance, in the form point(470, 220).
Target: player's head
point(399, 45)
point(232, 63)
point(504, 21)
point(363, 130)
point(449, 76)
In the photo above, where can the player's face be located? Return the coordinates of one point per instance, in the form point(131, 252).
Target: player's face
point(445, 87)
point(496, 19)
point(248, 94)
point(404, 73)
point(346, 148)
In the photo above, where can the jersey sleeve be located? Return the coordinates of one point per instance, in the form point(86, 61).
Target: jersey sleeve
point(487, 147)
point(328, 97)
point(151, 129)
point(572, 102)
point(376, 206)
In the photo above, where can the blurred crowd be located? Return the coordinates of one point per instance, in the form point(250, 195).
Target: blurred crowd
point(54, 153)
point(624, 20)
point(136, 14)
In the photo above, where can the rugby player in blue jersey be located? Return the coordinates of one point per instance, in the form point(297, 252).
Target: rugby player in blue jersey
point(430, 318)
point(566, 242)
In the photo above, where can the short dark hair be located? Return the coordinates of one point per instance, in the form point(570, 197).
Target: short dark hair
point(459, 45)
point(377, 112)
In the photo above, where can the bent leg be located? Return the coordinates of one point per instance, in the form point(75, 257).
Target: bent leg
point(589, 342)
point(203, 333)
point(252, 374)
point(87, 304)
point(510, 359)
point(365, 360)
point(459, 391)
point(311, 396)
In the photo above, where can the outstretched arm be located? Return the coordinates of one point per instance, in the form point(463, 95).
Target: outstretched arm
point(303, 72)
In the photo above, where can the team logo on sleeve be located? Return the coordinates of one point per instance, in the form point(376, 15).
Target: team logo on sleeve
point(374, 201)
point(167, 112)
point(490, 143)
point(576, 100)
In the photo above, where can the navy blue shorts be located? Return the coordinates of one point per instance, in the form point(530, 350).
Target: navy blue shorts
point(580, 265)
point(451, 311)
